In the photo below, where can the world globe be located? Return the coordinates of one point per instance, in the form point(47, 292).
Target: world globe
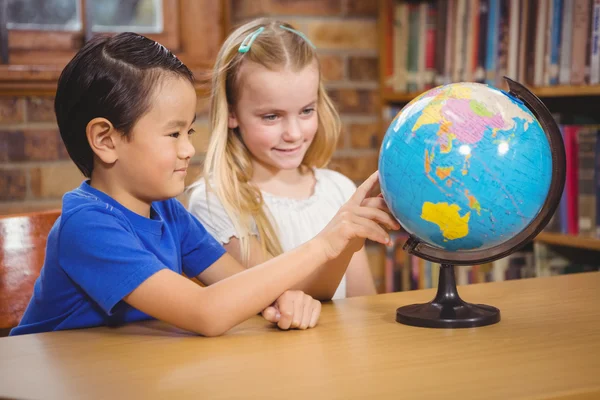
point(472, 173)
point(465, 166)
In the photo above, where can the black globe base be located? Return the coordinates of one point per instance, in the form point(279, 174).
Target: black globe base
point(447, 309)
point(436, 315)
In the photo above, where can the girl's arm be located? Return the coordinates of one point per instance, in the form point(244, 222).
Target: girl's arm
point(215, 309)
point(359, 279)
point(323, 283)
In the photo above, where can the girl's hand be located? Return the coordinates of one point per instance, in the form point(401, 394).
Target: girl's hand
point(362, 217)
point(293, 309)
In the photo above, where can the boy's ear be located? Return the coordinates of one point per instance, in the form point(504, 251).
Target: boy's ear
point(102, 136)
point(232, 121)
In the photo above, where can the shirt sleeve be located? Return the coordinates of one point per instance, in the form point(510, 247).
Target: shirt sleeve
point(101, 253)
point(210, 212)
point(199, 250)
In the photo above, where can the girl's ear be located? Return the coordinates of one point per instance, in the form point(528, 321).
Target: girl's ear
point(102, 137)
point(232, 121)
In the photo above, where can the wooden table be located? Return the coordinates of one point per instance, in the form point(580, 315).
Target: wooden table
point(547, 346)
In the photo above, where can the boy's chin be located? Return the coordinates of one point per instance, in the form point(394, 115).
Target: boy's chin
point(173, 191)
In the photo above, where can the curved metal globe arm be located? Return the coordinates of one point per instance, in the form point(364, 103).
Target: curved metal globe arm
point(522, 94)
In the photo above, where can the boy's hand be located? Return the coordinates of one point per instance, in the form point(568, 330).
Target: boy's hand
point(293, 309)
point(364, 216)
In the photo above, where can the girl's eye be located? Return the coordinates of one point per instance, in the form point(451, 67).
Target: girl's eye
point(308, 111)
point(270, 117)
point(191, 132)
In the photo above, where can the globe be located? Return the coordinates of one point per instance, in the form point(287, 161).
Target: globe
point(465, 166)
point(472, 173)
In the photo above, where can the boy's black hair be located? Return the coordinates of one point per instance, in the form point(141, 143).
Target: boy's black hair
point(110, 77)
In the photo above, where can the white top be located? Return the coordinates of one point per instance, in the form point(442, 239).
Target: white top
point(296, 220)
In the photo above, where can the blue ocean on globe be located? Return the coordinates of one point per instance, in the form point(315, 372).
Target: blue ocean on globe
point(465, 166)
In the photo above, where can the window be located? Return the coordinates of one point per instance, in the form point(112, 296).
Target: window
point(142, 16)
point(38, 37)
point(44, 15)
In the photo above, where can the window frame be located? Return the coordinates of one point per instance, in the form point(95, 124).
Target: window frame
point(36, 58)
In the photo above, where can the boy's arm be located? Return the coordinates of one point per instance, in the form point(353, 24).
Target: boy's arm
point(323, 283)
point(213, 310)
point(220, 270)
point(281, 312)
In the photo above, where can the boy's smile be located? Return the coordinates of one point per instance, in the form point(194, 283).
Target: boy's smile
point(182, 171)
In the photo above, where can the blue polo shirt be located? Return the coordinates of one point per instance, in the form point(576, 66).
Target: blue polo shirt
point(98, 252)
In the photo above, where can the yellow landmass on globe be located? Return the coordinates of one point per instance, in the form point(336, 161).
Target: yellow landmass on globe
point(432, 116)
point(434, 109)
point(447, 218)
point(460, 92)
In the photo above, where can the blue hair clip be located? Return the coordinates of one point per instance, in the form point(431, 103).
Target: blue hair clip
point(302, 35)
point(247, 42)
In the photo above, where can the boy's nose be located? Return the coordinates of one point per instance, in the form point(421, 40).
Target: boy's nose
point(186, 150)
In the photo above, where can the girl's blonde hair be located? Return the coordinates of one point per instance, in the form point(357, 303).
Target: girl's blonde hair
point(228, 162)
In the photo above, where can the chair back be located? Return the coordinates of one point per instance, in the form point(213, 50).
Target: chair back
point(22, 251)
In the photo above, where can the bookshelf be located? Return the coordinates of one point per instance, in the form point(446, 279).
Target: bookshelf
point(542, 92)
point(559, 239)
point(572, 102)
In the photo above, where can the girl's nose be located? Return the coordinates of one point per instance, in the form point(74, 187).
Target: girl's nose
point(293, 132)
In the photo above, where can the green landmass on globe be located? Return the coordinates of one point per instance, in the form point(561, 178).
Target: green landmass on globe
point(465, 166)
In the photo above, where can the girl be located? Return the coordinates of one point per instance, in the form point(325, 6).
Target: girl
point(125, 109)
point(273, 129)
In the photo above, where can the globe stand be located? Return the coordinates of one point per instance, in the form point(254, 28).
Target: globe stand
point(447, 309)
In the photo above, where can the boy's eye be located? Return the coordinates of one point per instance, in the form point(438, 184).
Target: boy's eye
point(177, 134)
point(270, 117)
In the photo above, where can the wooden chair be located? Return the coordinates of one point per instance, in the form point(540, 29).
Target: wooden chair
point(22, 251)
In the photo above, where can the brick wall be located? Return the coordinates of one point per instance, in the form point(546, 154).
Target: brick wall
point(35, 169)
point(33, 161)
